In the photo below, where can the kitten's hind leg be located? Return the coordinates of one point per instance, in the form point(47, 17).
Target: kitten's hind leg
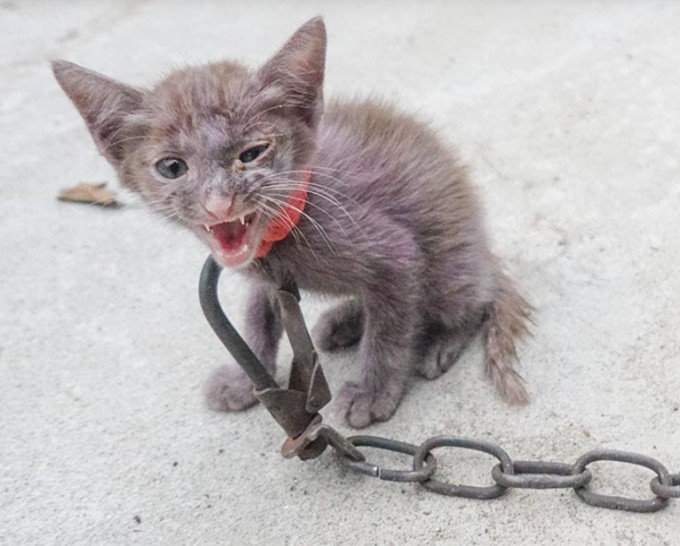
point(438, 350)
point(340, 327)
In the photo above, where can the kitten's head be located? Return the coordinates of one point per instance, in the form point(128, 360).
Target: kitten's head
point(216, 148)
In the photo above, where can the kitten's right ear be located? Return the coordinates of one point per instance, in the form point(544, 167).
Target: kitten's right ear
point(298, 69)
point(105, 104)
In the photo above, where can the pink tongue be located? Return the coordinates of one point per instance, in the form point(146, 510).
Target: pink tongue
point(230, 235)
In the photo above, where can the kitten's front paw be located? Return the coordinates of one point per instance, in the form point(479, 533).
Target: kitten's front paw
point(229, 389)
point(362, 406)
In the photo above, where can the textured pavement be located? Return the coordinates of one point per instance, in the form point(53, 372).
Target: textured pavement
point(569, 116)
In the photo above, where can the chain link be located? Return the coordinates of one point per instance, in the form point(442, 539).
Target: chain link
point(418, 474)
point(541, 475)
point(622, 503)
point(458, 490)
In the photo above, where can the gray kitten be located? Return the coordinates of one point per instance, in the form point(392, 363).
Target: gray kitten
point(370, 205)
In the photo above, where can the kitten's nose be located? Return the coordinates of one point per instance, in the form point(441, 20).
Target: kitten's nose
point(219, 205)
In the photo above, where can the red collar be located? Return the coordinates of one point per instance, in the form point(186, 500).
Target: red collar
point(281, 226)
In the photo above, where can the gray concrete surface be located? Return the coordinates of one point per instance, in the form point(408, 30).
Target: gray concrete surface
point(568, 113)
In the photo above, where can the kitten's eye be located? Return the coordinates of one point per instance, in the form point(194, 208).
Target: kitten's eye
point(252, 153)
point(171, 167)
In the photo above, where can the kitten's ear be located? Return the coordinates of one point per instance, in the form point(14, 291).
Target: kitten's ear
point(105, 104)
point(298, 68)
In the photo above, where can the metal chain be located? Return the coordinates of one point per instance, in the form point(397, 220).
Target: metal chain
point(296, 410)
point(511, 474)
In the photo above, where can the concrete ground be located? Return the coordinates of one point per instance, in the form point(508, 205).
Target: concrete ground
point(569, 115)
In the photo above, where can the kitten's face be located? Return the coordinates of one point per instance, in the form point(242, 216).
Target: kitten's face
point(216, 148)
point(220, 153)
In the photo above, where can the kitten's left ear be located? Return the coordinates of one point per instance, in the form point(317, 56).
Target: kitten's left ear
point(298, 68)
point(105, 104)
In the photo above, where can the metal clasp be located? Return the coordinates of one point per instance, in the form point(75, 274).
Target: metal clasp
point(295, 407)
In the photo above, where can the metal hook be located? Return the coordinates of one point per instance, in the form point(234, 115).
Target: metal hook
point(295, 407)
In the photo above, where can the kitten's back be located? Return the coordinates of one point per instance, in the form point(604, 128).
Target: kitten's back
point(392, 162)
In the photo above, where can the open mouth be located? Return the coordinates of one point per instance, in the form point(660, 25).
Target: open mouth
point(233, 241)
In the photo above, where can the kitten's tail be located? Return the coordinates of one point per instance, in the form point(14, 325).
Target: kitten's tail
point(507, 323)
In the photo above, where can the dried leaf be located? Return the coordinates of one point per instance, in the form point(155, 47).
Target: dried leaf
point(94, 194)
